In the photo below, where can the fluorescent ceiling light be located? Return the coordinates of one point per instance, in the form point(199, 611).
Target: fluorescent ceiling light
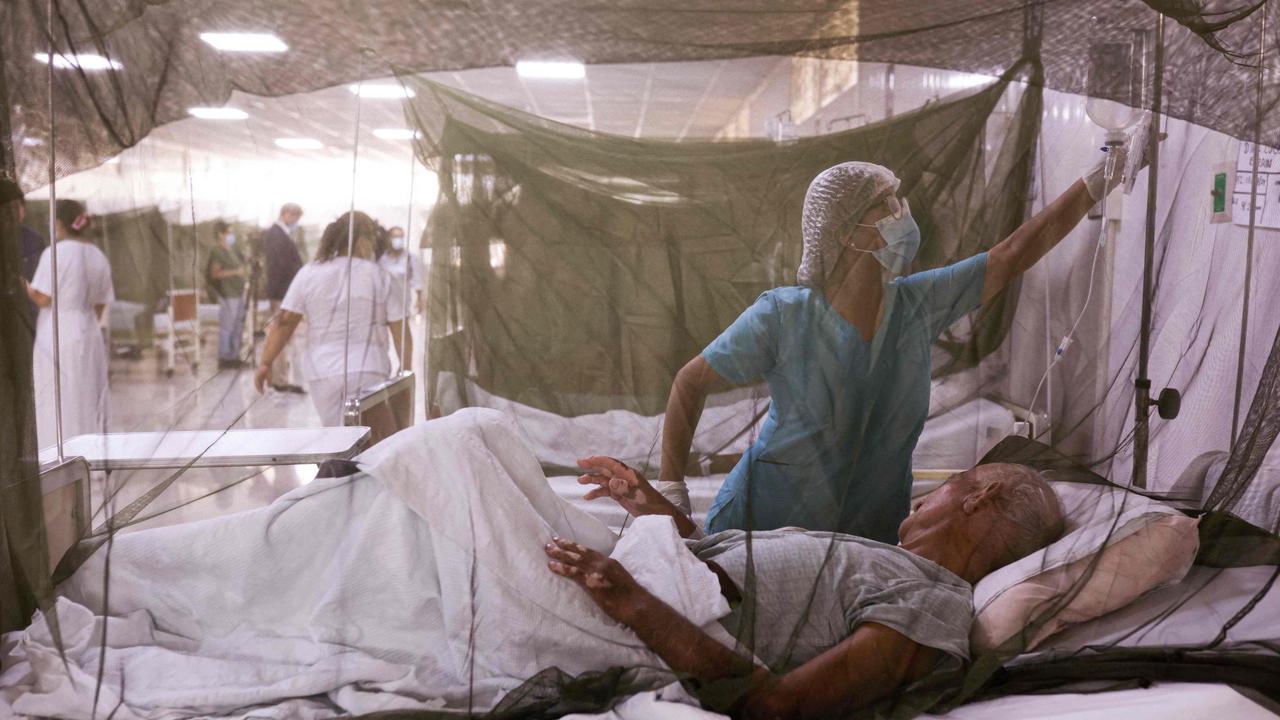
point(551, 69)
point(381, 92)
point(397, 133)
point(299, 143)
point(87, 61)
point(244, 42)
point(221, 113)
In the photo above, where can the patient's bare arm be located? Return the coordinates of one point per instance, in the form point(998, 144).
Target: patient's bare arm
point(613, 479)
point(868, 665)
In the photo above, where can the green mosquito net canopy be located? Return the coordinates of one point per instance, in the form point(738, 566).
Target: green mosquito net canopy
point(571, 273)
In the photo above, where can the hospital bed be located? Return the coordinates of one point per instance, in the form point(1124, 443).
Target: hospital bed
point(132, 328)
point(1192, 625)
point(961, 432)
point(955, 438)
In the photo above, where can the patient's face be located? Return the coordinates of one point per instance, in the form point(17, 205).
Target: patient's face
point(939, 505)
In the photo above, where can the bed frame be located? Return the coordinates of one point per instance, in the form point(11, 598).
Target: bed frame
point(385, 409)
point(65, 489)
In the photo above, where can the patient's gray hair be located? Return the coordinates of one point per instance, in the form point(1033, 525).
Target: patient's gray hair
point(1031, 508)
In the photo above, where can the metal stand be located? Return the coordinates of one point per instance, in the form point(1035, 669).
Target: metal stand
point(1169, 401)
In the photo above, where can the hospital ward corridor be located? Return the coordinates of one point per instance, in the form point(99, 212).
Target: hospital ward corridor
point(718, 360)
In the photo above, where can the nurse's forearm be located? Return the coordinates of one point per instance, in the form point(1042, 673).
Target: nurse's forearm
point(684, 409)
point(1035, 238)
point(277, 338)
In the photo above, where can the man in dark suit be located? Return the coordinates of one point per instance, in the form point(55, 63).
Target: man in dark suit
point(31, 244)
point(283, 262)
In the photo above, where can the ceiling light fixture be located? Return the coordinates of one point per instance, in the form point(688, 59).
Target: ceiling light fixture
point(397, 134)
point(551, 69)
point(244, 42)
point(87, 61)
point(218, 113)
point(381, 91)
point(299, 143)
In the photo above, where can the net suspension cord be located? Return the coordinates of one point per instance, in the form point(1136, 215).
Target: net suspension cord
point(195, 243)
point(351, 235)
point(406, 363)
point(53, 245)
point(1253, 212)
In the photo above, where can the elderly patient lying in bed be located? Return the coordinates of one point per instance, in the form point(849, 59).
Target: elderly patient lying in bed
point(846, 620)
point(446, 572)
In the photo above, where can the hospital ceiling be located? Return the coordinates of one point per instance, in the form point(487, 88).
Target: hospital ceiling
point(160, 66)
point(668, 100)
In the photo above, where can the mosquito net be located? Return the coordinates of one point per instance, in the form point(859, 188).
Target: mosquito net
point(1013, 436)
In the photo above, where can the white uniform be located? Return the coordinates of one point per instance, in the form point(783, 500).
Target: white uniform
point(84, 280)
point(398, 269)
point(319, 294)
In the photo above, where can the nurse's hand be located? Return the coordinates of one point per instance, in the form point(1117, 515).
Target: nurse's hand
point(260, 377)
point(613, 479)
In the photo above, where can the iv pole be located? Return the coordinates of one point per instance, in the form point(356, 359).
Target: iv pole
point(1169, 400)
point(1142, 383)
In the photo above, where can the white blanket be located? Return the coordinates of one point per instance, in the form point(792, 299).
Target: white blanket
point(340, 598)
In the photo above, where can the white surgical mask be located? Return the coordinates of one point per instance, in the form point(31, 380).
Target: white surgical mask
point(901, 241)
point(231, 239)
point(397, 243)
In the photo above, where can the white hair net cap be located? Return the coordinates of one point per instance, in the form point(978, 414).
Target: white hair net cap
point(840, 195)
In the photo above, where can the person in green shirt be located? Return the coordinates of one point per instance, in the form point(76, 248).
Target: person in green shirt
point(227, 271)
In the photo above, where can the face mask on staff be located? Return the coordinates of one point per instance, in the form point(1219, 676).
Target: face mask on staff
point(901, 240)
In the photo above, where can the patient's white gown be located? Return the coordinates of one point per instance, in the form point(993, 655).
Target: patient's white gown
point(84, 280)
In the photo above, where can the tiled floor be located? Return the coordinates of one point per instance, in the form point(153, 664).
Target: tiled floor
point(144, 398)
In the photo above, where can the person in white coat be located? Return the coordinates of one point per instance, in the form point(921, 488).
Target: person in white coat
point(84, 289)
point(351, 311)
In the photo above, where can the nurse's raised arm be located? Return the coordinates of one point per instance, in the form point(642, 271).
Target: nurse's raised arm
point(1037, 236)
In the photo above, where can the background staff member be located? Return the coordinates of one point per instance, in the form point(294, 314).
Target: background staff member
point(283, 262)
point(359, 345)
point(84, 289)
point(227, 270)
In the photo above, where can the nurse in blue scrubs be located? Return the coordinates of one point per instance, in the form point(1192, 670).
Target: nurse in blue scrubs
point(846, 356)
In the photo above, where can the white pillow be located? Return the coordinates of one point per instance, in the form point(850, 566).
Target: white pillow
point(1097, 518)
point(1092, 515)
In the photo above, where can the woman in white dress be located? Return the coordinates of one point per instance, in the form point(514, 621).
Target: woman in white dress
point(347, 348)
point(84, 289)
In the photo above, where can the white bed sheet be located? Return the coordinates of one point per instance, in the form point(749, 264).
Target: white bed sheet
point(337, 595)
point(1161, 701)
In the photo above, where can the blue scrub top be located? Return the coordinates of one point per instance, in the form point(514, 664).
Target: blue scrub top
point(835, 450)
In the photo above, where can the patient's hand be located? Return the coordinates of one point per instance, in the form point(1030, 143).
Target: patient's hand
point(613, 479)
point(605, 579)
